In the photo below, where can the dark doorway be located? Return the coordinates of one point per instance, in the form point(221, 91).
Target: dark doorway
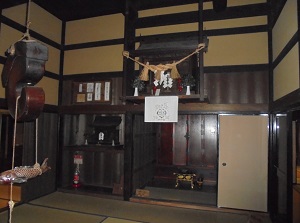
point(184, 163)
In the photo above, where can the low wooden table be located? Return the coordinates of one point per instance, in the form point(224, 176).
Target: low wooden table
point(185, 177)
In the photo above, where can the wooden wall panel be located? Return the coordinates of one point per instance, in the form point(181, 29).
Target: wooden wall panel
point(168, 10)
point(202, 147)
point(144, 151)
point(237, 49)
point(165, 150)
point(211, 141)
point(179, 149)
point(288, 22)
point(237, 87)
point(195, 146)
point(47, 148)
point(50, 87)
point(95, 29)
point(286, 74)
point(94, 60)
point(38, 18)
point(8, 37)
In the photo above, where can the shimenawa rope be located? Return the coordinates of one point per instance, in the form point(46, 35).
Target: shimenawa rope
point(161, 67)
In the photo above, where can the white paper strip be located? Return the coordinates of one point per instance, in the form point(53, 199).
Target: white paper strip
point(97, 91)
point(89, 97)
point(106, 91)
point(90, 87)
point(161, 109)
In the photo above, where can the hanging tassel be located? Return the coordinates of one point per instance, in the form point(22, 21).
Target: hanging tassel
point(158, 69)
point(157, 74)
point(174, 72)
point(144, 74)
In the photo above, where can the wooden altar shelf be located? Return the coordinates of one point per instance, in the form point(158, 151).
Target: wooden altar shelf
point(195, 98)
point(183, 107)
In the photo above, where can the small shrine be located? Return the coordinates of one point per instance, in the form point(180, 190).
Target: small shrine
point(106, 130)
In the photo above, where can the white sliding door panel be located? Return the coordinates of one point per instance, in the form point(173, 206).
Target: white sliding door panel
point(243, 162)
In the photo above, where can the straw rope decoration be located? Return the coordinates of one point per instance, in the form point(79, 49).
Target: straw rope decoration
point(156, 69)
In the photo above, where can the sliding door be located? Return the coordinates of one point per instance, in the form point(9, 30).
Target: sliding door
point(243, 162)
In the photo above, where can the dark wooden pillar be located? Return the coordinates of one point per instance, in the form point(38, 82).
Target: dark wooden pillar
point(200, 88)
point(129, 45)
point(128, 156)
point(289, 167)
point(61, 117)
point(270, 50)
point(128, 69)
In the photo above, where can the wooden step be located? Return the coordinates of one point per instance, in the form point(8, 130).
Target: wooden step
point(3, 204)
point(5, 192)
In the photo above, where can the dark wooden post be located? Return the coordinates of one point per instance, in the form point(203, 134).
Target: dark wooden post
point(61, 117)
point(128, 156)
point(129, 45)
point(200, 87)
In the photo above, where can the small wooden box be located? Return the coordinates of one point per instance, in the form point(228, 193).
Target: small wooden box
point(142, 193)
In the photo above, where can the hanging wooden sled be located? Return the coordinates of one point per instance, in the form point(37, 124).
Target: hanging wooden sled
point(25, 67)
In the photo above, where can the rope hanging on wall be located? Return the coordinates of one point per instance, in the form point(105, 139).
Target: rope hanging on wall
point(156, 69)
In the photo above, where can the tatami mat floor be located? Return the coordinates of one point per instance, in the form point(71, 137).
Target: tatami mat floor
point(62, 207)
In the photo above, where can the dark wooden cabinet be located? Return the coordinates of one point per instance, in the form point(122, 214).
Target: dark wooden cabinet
point(102, 165)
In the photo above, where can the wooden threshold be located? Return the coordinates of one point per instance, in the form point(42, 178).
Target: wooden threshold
point(89, 192)
point(194, 206)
